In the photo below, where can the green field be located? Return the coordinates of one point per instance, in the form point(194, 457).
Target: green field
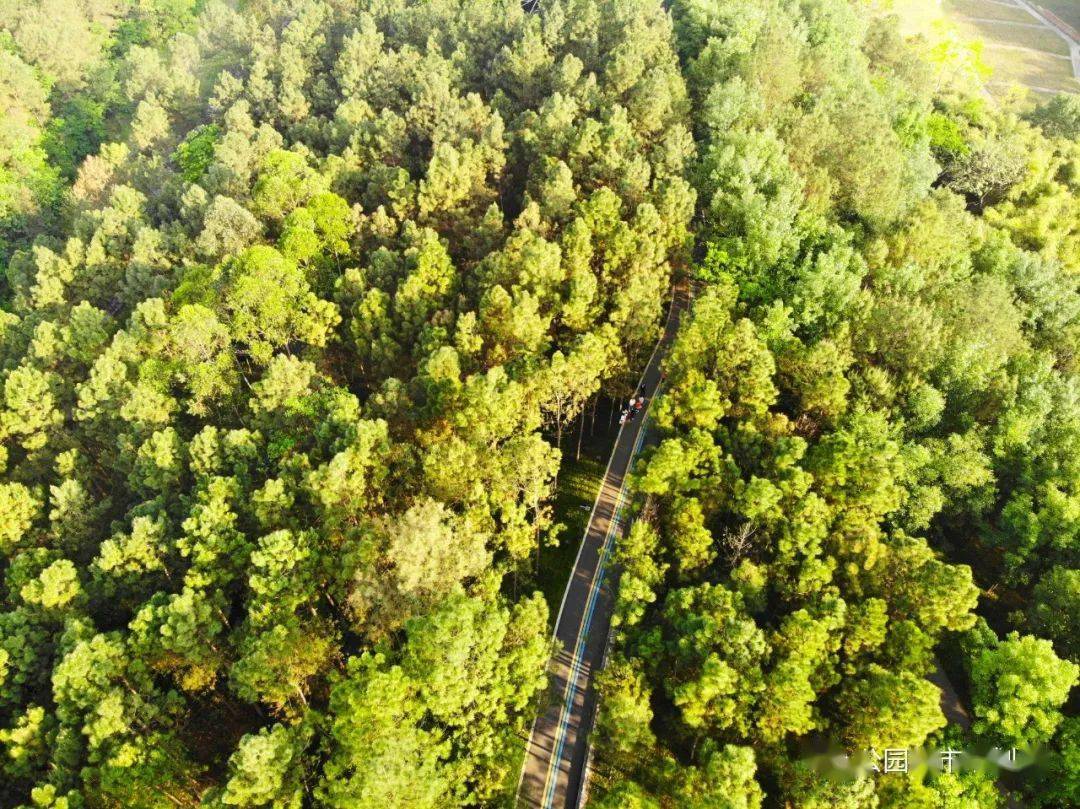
point(1017, 48)
point(1029, 68)
point(987, 10)
point(1011, 35)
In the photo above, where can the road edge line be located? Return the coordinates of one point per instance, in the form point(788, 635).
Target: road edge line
point(584, 536)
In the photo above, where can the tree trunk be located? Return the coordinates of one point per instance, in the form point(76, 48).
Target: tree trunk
point(581, 429)
point(558, 433)
point(592, 418)
point(558, 467)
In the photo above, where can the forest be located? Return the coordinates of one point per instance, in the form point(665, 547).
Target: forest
point(301, 302)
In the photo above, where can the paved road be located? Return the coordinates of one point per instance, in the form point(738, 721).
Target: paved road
point(951, 706)
point(555, 757)
point(1055, 24)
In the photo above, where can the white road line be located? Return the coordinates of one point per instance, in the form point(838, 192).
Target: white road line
point(588, 525)
point(1035, 87)
point(1012, 23)
point(584, 626)
point(1011, 47)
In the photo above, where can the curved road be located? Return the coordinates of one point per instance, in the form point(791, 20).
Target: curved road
point(1050, 20)
point(554, 765)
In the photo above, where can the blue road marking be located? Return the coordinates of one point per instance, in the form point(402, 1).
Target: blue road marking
point(586, 623)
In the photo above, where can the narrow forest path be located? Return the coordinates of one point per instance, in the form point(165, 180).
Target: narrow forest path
point(554, 765)
point(956, 714)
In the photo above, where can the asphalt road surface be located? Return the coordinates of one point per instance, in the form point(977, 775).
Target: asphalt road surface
point(555, 758)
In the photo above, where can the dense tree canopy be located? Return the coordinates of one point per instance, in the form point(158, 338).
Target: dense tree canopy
point(869, 422)
point(293, 318)
point(299, 299)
